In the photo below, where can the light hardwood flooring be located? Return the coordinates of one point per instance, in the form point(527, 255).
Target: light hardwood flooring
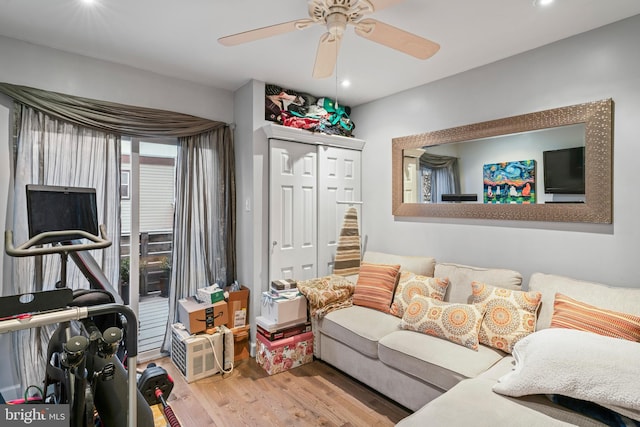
point(314, 394)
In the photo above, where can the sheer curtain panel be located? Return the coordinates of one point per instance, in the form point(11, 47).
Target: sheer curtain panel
point(204, 223)
point(54, 152)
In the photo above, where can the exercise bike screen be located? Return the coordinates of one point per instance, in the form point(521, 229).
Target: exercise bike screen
point(52, 208)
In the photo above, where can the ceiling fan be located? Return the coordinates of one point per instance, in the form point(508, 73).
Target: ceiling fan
point(336, 15)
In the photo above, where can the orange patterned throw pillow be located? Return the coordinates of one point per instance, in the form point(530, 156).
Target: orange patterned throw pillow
point(458, 323)
point(375, 286)
point(571, 314)
point(510, 315)
point(411, 284)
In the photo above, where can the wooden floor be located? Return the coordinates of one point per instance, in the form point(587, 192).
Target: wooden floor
point(314, 394)
point(154, 311)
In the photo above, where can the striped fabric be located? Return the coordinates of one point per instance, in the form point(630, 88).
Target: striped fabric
point(347, 261)
point(571, 314)
point(375, 286)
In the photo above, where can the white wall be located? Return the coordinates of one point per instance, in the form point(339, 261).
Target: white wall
point(44, 68)
point(600, 64)
point(50, 69)
point(252, 195)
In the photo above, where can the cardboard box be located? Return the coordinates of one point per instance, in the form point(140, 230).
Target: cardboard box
point(238, 302)
point(198, 317)
point(240, 343)
point(282, 355)
point(283, 311)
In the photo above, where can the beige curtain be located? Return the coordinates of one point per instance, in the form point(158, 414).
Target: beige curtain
point(204, 224)
point(54, 152)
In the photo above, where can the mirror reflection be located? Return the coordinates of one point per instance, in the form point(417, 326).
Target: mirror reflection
point(550, 165)
point(535, 167)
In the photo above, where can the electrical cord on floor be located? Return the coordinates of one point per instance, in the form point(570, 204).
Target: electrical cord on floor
point(215, 356)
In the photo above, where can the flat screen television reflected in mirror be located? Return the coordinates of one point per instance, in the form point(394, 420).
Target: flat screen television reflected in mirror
point(564, 171)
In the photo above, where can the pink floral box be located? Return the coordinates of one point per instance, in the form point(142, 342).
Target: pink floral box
point(282, 355)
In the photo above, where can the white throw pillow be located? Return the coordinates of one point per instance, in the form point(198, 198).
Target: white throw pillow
point(577, 364)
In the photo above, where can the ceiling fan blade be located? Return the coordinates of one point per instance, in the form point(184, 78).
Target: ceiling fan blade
point(264, 32)
point(395, 38)
point(381, 4)
point(326, 56)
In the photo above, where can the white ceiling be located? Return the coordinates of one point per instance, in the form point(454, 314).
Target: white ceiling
point(178, 38)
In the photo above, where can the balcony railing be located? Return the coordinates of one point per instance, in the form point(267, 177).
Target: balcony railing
point(155, 260)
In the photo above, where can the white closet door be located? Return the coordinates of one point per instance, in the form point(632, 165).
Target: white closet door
point(339, 181)
point(293, 210)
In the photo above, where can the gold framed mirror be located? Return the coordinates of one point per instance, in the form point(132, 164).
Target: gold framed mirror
point(594, 204)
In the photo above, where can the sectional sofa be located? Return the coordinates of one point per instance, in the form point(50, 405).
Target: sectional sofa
point(447, 382)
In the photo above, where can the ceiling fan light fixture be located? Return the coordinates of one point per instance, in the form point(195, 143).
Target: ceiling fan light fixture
point(336, 24)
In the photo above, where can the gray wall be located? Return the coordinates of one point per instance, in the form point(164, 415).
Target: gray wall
point(600, 64)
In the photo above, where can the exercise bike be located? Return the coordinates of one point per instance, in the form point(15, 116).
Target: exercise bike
point(83, 368)
point(91, 356)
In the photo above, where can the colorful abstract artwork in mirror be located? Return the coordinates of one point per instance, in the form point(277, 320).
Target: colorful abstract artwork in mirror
point(510, 182)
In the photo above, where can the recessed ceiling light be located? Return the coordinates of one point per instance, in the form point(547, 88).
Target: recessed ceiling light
point(542, 2)
point(89, 2)
point(345, 83)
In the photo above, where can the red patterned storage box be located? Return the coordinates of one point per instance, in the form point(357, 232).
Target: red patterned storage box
point(281, 355)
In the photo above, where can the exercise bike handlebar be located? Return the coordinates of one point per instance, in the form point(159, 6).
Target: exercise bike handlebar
point(28, 248)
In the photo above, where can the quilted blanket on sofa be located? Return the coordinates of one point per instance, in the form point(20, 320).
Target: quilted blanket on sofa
point(326, 294)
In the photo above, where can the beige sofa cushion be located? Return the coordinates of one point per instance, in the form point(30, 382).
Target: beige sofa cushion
point(460, 278)
point(626, 300)
point(360, 328)
point(421, 265)
point(434, 360)
point(473, 403)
